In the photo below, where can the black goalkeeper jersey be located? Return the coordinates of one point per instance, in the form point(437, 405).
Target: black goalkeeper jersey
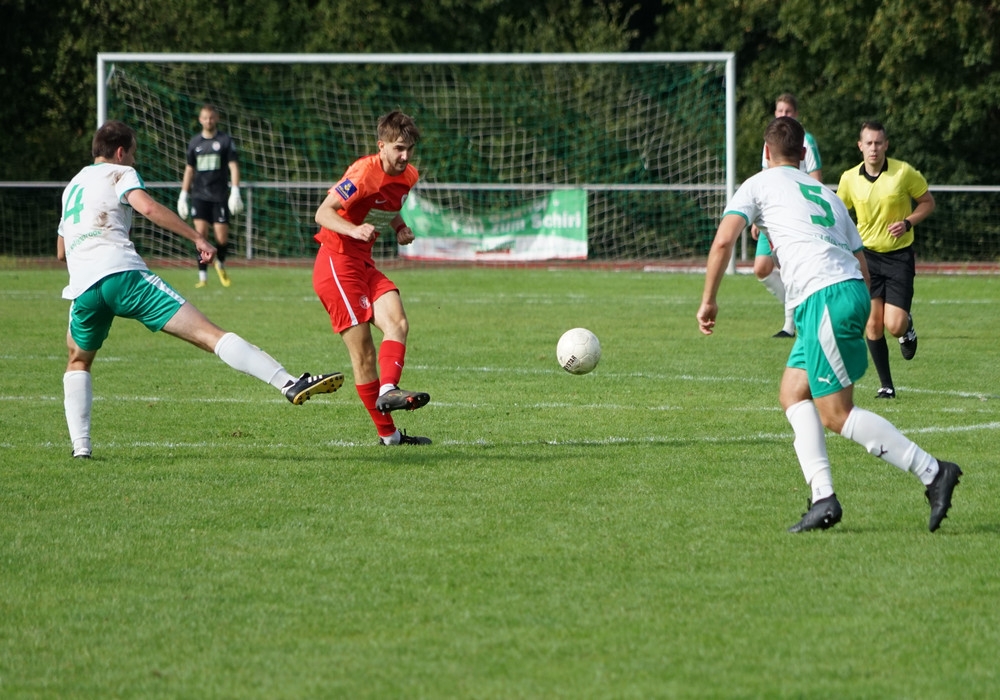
point(210, 159)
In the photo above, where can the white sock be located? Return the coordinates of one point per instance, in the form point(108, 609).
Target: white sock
point(789, 326)
point(391, 439)
point(775, 285)
point(386, 388)
point(249, 359)
point(810, 447)
point(78, 397)
point(883, 440)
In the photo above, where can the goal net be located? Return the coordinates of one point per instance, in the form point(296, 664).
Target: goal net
point(599, 156)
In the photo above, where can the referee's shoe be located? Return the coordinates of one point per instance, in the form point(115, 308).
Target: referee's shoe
point(908, 343)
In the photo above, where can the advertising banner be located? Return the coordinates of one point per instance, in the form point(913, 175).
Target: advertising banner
point(553, 227)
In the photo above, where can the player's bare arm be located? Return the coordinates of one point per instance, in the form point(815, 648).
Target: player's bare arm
point(730, 228)
point(328, 216)
point(164, 218)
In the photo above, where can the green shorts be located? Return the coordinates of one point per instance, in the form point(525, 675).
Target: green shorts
point(137, 294)
point(830, 337)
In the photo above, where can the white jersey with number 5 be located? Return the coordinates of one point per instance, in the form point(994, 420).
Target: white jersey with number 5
point(95, 225)
point(810, 231)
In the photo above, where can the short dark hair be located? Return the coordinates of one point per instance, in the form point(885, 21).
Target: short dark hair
point(396, 125)
point(785, 136)
point(111, 136)
point(873, 125)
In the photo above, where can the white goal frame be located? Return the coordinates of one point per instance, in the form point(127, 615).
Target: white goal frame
point(105, 60)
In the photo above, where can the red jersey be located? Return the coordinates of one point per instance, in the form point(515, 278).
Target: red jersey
point(364, 187)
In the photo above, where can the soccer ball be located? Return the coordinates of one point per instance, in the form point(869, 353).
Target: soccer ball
point(578, 351)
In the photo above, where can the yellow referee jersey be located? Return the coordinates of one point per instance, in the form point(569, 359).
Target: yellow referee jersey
point(880, 203)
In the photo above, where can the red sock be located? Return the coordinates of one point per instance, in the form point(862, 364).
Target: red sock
point(390, 361)
point(383, 421)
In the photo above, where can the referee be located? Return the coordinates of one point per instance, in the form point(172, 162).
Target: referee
point(881, 191)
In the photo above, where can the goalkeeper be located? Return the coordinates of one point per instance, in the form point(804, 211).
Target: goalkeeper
point(205, 192)
point(353, 291)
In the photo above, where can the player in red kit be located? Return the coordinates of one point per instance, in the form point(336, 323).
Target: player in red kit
point(354, 292)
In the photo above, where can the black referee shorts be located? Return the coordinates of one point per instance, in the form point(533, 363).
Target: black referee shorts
point(892, 276)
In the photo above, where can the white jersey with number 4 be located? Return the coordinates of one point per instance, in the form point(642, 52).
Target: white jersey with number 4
point(95, 225)
point(811, 233)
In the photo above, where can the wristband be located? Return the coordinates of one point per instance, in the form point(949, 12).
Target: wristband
point(908, 223)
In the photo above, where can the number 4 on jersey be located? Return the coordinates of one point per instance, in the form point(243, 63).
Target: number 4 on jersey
point(76, 208)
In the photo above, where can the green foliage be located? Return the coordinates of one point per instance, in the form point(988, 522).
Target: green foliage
point(616, 535)
point(927, 69)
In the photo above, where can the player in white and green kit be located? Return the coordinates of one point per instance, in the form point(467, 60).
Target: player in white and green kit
point(786, 105)
point(108, 279)
point(823, 268)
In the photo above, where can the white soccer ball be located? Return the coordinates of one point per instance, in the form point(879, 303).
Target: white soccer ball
point(578, 351)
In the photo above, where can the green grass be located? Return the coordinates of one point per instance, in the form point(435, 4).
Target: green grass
point(615, 535)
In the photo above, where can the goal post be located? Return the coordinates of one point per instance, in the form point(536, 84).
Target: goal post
point(645, 141)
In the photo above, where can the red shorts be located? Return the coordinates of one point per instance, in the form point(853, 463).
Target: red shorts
point(348, 288)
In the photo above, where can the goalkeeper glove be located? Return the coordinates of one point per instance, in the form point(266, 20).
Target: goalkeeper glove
point(235, 201)
point(182, 205)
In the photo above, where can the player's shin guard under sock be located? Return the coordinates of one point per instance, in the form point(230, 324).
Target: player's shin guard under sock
point(249, 359)
point(383, 421)
point(879, 350)
point(221, 251)
point(883, 440)
point(391, 354)
point(78, 397)
point(810, 448)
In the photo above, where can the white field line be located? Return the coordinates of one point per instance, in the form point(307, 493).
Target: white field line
point(611, 440)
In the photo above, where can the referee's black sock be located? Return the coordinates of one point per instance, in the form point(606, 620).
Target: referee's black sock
point(880, 357)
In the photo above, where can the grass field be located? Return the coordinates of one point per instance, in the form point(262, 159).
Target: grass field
point(616, 535)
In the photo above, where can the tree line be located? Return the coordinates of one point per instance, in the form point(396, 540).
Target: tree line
point(928, 69)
